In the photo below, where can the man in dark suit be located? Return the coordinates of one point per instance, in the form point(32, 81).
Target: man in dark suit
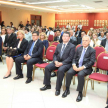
point(62, 61)
point(104, 42)
point(79, 39)
point(0, 48)
point(10, 39)
point(58, 37)
point(78, 33)
point(82, 65)
point(32, 55)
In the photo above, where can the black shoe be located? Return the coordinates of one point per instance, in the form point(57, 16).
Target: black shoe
point(18, 77)
point(106, 106)
point(53, 74)
point(79, 98)
point(57, 93)
point(28, 80)
point(67, 92)
point(45, 87)
point(7, 76)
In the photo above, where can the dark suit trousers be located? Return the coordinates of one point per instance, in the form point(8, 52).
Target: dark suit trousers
point(30, 63)
point(81, 76)
point(60, 74)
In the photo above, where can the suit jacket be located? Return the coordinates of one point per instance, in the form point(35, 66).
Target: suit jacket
point(79, 39)
point(67, 56)
point(23, 45)
point(60, 40)
point(37, 50)
point(88, 61)
point(103, 42)
point(46, 44)
point(77, 33)
point(73, 42)
point(10, 42)
point(0, 46)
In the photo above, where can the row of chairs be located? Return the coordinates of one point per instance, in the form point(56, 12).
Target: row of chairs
point(101, 59)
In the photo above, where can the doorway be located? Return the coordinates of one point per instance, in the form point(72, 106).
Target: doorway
point(0, 17)
point(36, 19)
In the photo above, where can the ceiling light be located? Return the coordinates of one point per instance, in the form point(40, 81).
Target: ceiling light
point(47, 2)
point(27, 6)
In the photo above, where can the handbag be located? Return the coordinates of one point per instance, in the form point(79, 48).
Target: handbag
point(12, 52)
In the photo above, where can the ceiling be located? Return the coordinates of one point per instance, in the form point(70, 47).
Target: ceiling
point(59, 6)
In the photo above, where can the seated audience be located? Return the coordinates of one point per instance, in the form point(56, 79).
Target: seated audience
point(43, 39)
point(95, 41)
point(104, 42)
point(21, 25)
point(32, 55)
point(90, 34)
point(2, 24)
point(102, 36)
point(50, 32)
point(27, 25)
point(83, 61)
point(10, 39)
point(20, 46)
point(78, 33)
point(28, 35)
point(11, 24)
point(58, 36)
point(3, 34)
point(61, 61)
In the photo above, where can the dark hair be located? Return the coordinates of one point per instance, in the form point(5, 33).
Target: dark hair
point(36, 32)
point(27, 29)
point(67, 33)
point(58, 30)
point(50, 28)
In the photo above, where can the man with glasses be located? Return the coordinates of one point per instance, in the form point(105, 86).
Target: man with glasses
point(32, 55)
point(62, 60)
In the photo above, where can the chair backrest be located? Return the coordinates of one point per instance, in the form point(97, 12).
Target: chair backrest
point(55, 43)
point(99, 49)
point(78, 46)
point(102, 61)
point(50, 52)
point(50, 38)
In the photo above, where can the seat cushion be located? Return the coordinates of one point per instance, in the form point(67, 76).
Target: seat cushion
point(99, 77)
point(43, 65)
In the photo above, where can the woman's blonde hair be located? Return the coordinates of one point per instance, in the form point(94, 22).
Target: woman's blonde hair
point(22, 32)
point(42, 34)
point(96, 39)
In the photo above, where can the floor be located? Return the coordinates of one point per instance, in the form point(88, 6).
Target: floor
point(17, 94)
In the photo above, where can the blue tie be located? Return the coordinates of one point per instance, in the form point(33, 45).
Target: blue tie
point(62, 50)
point(82, 57)
point(31, 49)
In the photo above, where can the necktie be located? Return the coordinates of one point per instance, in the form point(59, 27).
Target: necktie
point(82, 57)
point(31, 49)
point(62, 50)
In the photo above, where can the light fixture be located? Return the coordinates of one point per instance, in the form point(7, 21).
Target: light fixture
point(45, 2)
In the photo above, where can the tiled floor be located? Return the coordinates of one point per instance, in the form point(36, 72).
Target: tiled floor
point(17, 94)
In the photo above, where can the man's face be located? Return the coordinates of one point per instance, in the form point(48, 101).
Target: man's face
point(35, 36)
point(65, 38)
point(40, 30)
point(85, 41)
point(102, 33)
point(107, 36)
point(9, 31)
point(71, 33)
point(58, 33)
point(82, 34)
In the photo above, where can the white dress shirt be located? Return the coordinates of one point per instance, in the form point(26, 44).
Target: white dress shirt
point(79, 26)
point(50, 33)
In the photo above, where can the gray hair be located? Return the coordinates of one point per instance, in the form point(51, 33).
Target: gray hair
point(86, 36)
point(9, 28)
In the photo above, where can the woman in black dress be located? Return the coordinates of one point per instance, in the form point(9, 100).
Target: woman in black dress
point(20, 46)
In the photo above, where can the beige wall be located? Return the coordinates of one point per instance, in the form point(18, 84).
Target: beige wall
point(15, 16)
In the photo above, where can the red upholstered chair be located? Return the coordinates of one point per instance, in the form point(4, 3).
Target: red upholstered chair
point(49, 55)
point(50, 38)
point(55, 43)
point(78, 46)
point(99, 49)
point(102, 63)
point(43, 57)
